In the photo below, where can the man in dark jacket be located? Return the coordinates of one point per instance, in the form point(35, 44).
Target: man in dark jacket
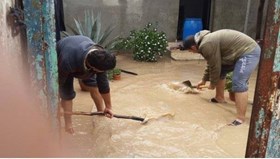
point(225, 51)
point(79, 57)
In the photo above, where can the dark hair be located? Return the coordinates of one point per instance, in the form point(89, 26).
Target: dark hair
point(102, 60)
point(188, 42)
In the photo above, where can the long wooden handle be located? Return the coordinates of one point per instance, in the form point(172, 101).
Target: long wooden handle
point(204, 86)
point(129, 72)
point(101, 113)
point(129, 117)
point(189, 84)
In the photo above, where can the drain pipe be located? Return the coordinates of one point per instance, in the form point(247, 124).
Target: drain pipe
point(247, 16)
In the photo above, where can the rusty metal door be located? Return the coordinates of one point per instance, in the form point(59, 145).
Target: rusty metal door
point(264, 133)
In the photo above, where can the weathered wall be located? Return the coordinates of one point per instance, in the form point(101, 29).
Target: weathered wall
point(231, 14)
point(12, 44)
point(128, 14)
point(134, 14)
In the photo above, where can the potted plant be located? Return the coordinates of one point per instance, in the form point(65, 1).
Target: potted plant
point(228, 86)
point(116, 74)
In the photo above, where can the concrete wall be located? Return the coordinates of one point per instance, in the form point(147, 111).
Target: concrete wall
point(134, 14)
point(232, 14)
point(128, 14)
point(12, 44)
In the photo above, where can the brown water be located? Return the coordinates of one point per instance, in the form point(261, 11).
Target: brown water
point(181, 124)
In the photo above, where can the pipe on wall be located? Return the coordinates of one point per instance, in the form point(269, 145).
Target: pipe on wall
point(247, 16)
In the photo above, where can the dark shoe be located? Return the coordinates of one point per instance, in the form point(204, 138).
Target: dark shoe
point(236, 122)
point(214, 100)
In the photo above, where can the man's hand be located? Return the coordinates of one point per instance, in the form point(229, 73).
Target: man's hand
point(108, 113)
point(200, 83)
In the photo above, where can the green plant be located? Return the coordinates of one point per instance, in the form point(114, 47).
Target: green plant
point(109, 74)
point(146, 44)
point(120, 45)
point(92, 28)
point(228, 84)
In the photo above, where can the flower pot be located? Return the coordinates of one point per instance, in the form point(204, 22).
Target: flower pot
point(117, 77)
point(231, 96)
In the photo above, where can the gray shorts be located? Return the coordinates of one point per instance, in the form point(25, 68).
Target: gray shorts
point(243, 69)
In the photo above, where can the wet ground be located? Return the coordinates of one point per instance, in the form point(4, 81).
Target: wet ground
point(192, 127)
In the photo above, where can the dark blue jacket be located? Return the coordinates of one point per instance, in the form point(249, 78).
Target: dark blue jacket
point(71, 52)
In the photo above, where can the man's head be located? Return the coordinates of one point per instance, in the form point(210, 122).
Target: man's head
point(101, 59)
point(189, 44)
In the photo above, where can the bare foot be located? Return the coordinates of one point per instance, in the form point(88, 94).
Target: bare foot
point(70, 130)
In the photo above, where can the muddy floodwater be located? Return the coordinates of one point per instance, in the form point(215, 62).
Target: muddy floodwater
point(181, 124)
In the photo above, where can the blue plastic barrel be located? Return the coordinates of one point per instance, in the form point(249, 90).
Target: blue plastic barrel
point(191, 26)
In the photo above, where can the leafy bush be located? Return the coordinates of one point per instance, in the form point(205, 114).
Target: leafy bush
point(92, 28)
point(110, 74)
point(228, 85)
point(146, 44)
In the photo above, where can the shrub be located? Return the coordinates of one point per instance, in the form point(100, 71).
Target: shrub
point(228, 84)
point(109, 74)
point(146, 44)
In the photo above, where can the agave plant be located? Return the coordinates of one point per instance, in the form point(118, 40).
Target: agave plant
point(91, 27)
